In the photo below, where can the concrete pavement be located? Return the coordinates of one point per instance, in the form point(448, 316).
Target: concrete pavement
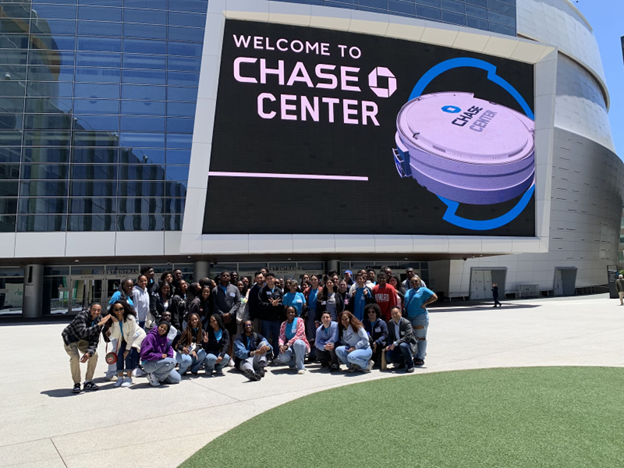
point(45, 425)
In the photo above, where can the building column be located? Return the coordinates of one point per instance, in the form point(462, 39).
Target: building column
point(201, 270)
point(33, 291)
point(334, 265)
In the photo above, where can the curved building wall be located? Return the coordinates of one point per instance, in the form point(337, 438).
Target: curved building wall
point(587, 175)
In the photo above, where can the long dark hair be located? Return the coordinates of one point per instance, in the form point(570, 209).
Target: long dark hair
point(187, 334)
point(375, 308)
point(219, 321)
point(128, 310)
point(160, 287)
point(326, 292)
point(353, 321)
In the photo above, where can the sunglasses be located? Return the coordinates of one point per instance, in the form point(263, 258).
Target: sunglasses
point(118, 309)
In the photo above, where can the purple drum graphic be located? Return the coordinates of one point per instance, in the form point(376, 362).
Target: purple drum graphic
point(465, 149)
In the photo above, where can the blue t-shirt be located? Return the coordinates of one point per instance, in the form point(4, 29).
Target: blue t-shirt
point(414, 299)
point(359, 302)
point(290, 330)
point(312, 299)
point(296, 300)
point(117, 296)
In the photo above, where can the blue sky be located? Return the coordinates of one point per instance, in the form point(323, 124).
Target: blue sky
point(607, 19)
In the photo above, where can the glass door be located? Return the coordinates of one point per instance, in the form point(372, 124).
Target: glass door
point(85, 290)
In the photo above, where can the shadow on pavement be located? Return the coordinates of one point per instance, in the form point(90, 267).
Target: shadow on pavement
point(483, 307)
point(67, 392)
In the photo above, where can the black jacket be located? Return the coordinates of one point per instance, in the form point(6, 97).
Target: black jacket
point(178, 309)
point(378, 334)
point(253, 303)
point(267, 311)
point(224, 301)
point(406, 334)
point(160, 307)
point(201, 308)
point(321, 306)
point(218, 348)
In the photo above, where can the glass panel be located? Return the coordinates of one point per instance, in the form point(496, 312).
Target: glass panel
point(48, 121)
point(7, 223)
point(45, 138)
point(184, 64)
point(143, 107)
point(187, 19)
point(143, 92)
point(44, 171)
point(42, 205)
point(179, 141)
point(45, 73)
point(10, 154)
point(99, 14)
point(92, 223)
point(192, 50)
point(43, 189)
point(186, 34)
point(97, 122)
point(55, 43)
point(154, 140)
point(136, 46)
point(95, 28)
point(154, 62)
point(95, 91)
point(502, 19)
point(94, 59)
point(144, 222)
point(143, 124)
point(183, 79)
point(144, 76)
point(11, 298)
point(46, 12)
point(198, 6)
point(98, 75)
point(175, 205)
point(93, 189)
point(455, 18)
point(482, 3)
point(177, 172)
point(9, 171)
point(49, 106)
point(141, 205)
point(55, 294)
point(141, 172)
point(182, 94)
point(93, 106)
point(504, 8)
point(476, 11)
point(143, 155)
point(402, 7)
point(155, 4)
point(99, 44)
point(181, 109)
point(430, 13)
point(178, 156)
point(54, 26)
point(95, 139)
point(54, 89)
point(180, 125)
point(147, 31)
point(143, 16)
point(55, 270)
point(117, 3)
point(175, 189)
point(8, 206)
point(137, 188)
point(499, 28)
point(10, 138)
point(92, 205)
point(453, 6)
point(60, 155)
point(41, 223)
point(477, 23)
point(14, 57)
point(94, 171)
point(95, 155)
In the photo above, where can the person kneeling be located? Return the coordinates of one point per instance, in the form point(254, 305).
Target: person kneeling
point(293, 343)
point(355, 350)
point(251, 350)
point(403, 342)
point(157, 356)
point(216, 344)
point(325, 343)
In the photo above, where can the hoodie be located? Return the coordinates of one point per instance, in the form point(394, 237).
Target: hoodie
point(141, 299)
point(154, 346)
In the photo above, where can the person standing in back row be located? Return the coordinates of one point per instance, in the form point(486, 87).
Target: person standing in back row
point(495, 295)
point(619, 286)
point(226, 301)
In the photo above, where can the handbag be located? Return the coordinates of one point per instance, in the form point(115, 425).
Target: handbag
point(111, 358)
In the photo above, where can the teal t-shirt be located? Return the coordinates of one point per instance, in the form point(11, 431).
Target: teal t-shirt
point(296, 300)
point(414, 299)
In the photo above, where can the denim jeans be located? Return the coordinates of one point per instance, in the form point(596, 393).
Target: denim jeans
point(253, 363)
point(359, 357)
point(186, 361)
point(272, 327)
point(163, 370)
point(211, 363)
point(421, 324)
point(131, 362)
point(294, 356)
point(401, 354)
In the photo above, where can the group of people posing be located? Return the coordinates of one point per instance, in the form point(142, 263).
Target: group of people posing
point(164, 329)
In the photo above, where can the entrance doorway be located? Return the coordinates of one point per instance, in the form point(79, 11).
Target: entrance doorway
point(565, 281)
point(481, 281)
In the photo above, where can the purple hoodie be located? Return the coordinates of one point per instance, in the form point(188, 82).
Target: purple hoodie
point(154, 346)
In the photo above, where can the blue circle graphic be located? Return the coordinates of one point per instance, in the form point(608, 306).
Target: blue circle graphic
point(451, 109)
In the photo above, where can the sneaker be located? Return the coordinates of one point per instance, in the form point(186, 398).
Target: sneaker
point(334, 368)
point(369, 368)
point(138, 372)
point(110, 378)
point(219, 372)
point(120, 380)
point(90, 386)
point(261, 372)
point(154, 382)
point(76, 388)
point(409, 370)
point(231, 363)
point(366, 370)
point(419, 362)
point(325, 364)
point(354, 368)
point(301, 371)
point(127, 382)
point(251, 375)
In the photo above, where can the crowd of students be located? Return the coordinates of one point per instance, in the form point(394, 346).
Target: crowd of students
point(162, 329)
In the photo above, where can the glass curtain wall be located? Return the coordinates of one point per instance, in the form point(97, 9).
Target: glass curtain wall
point(97, 104)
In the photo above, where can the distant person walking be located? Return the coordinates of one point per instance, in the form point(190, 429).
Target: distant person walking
point(619, 286)
point(497, 302)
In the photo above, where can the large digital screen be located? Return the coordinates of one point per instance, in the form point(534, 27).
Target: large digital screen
point(328, 132)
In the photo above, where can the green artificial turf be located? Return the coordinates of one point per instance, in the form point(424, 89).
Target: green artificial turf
point(523, 417)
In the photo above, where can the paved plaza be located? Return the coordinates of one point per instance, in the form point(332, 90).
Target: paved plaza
point(45, 425)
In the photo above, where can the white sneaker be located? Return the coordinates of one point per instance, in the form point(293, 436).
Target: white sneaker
point(301, 371)
point(230, 363)
point(127, 382)
point(120, 380)
point(138, 372)
point(151, 378)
